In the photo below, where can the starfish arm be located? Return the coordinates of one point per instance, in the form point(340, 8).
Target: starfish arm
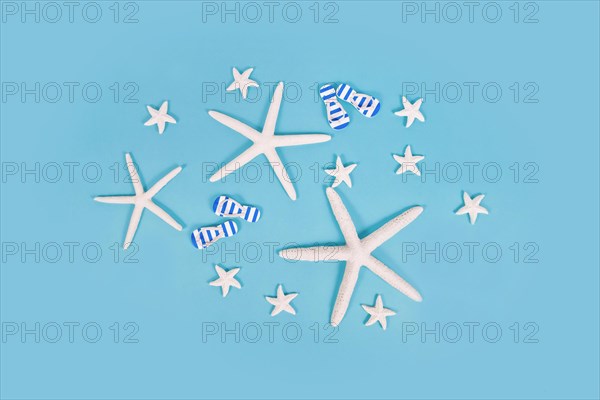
point(289, 309)
point(247, 73)
point(481, 210)
point(115, 199)
point(133, 224)
point(462, 211)
point(269, 127)
point(163, 181)
point(135, 177)
point(225, 290)
point(232, 86)
point(236, 284)
point(161, 126)
point(236, 125)
point(150, 122)
point(420, 116)
point(409, 121)
point(316, 253)
point(281, 173)
point(383, 322)
point(164, 107)
point(170, 119)
point(392, 278)
point(466, 198)
point(401, 113)
point(345, 292)
point(162, 214)
point(342, 217)
point(300, 139)
point(473, 217)
point(271, 300)
point(248, 155)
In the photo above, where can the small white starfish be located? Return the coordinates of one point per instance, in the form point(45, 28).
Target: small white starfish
point(160, 117)
point(408, 162)
point(142, 199)
point(265, 143)
point(282, 302)
point(226, 279)
point(411, 111)
point(378, 313)
point(341, 173)
point(472, 207)
point(356, 252)
point(242, 81)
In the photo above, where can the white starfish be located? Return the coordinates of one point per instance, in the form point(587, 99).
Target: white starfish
point(142, 199)
point(160, 117)
point(265, 143)
point(472, 207)
point(242, 81)
point(408, 162)
point(226, 279)
point(341, 173)
point(356, 252)
point(411, 111)
point(378, 313)
point(282, 302)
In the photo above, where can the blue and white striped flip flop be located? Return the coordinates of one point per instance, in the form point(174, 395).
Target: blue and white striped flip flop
point(205, 236)
point(225, 206)
point(366, 105)
point(336, 115)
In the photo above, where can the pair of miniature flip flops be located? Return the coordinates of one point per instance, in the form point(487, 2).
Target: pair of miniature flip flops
point(224, 206)
point(337, 117)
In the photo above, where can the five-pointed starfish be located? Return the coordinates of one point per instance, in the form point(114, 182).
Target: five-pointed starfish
point(160, 117)
point(226, 279)
point(142, 199)
point(265, 143)
point(472, 207)
point(411, 111)
point(378, 313)
point(408, 162)
point(282, 302)
point(356, 252)
point(242, 81)
point(341, 173)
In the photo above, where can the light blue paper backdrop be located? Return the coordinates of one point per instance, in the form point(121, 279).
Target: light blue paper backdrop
point(510, 89)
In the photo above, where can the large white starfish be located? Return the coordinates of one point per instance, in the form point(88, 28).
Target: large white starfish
point(265, 142)
point(356, 252)
point(142, 199)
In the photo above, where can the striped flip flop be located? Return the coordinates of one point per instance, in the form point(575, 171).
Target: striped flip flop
point(208, 235)
point(366, 105)
point(336, 115)
point(225, 206)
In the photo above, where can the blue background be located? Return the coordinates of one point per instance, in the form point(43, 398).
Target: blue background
point(172, 54)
